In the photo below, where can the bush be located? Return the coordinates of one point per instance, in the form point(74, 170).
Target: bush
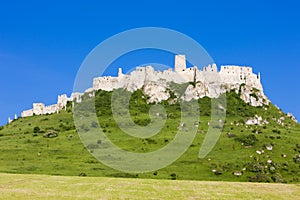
point(84, 128)
point(218, 172)
point(254, 95)
point(260, 178)
point(276, 131)
point(92, 146)
point(142, 122)
point(255, 167)
point(173, 176)
point(248, 140)
point(297, 159)
point(231, 135)
point(277, 178)
point(124, 175)
point(82, 174)
point(36, 129)
point(94, 124)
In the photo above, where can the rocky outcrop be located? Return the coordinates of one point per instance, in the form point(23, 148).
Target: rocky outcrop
point(292, 117)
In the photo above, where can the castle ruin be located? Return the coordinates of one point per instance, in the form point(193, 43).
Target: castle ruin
point(154, 84)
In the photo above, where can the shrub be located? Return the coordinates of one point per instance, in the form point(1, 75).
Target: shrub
point(36, 129)
point(264, 127)
point(248, 140)
point(173, 176)
point(231, 135)
point(277, 178)
point(94, 124)
point(84, 128)
point(151, 141)
point(254, 95)
point(218, 172)
point(255, 167)
point(297, 159)
point(260, 178)
point(124, 175)
point(276, 131)
point(92, 146)
point(82, 174)
point(142, 122)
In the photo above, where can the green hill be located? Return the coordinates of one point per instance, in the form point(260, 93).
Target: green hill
point(49, 144)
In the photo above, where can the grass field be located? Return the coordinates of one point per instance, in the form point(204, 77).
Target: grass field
point(17, 186)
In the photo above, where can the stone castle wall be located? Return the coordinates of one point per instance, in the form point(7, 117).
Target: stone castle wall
point(41, 109)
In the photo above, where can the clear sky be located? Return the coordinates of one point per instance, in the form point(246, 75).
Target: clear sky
point(42, 43)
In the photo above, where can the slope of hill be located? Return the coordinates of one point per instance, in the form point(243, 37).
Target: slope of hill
point(265, 152)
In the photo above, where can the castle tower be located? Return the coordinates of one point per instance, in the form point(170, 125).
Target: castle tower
point(180, 63)
point(120, 74)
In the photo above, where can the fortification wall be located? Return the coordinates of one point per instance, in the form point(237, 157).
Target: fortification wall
point(41, 109)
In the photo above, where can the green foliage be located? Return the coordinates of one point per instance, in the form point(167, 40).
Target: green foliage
point(36, 129)
point(94, 124)
point(173, 176)
point(247, 140)
point(260, 178)
point(254, 95)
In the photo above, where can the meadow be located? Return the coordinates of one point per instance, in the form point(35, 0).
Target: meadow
point(16, 186)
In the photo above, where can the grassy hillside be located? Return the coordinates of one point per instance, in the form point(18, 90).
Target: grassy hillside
point(14, 186)
point(49, 144)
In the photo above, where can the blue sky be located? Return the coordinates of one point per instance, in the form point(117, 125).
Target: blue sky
point(43, 43)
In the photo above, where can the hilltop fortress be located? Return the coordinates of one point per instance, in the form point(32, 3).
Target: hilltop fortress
point(181, 74)
point(207, 82)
